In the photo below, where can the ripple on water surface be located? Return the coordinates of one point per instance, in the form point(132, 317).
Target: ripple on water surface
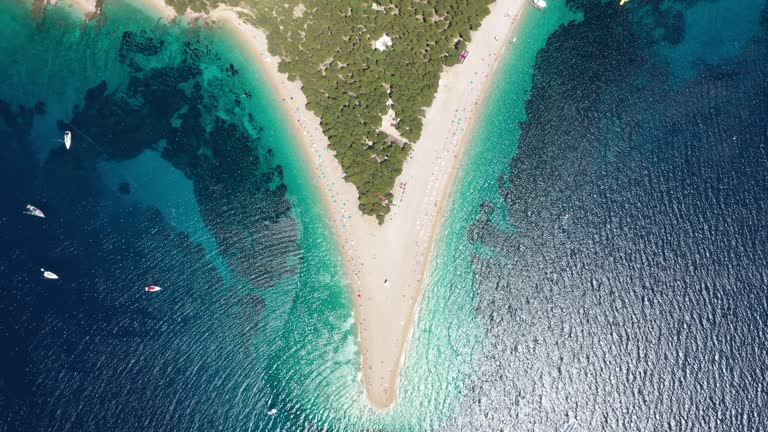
point(614, 274)
point(628, 290)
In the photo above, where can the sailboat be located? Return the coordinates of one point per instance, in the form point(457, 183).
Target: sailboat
point(34, 211)
point(48, 274)
point(67, 139)
point(152, 288)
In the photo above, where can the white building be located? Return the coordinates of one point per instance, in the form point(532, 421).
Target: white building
point(383, 43)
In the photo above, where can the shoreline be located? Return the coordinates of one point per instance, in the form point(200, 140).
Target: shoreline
point(339, 196)
point(373, 298)
point(386, 266)
point(512, 17)
point(454, 175)
point(88, 7)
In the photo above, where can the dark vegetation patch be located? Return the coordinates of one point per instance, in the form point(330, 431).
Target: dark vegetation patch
point(168, 108)
point(329, 47)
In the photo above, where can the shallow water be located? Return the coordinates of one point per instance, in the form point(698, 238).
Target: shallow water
point(602, 258)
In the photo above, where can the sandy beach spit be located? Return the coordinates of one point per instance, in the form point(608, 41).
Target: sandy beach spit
point(386, 265)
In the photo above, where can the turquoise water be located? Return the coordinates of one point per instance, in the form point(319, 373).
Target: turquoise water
point(448, 335)
point(735, 22)
point(262, 319)
point(604, 233)
point(448, 332)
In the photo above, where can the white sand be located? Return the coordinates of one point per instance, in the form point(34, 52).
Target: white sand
point(87, 6)
point(400, 250)
point(158, 7)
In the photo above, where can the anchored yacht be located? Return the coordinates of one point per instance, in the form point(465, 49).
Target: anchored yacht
point(48, 274)
point(34, 211)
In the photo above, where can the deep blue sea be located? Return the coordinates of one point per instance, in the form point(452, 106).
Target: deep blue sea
point(621, 260)
point(173, 179)
point(604, 258)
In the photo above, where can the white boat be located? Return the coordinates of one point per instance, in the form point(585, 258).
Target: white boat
point(272, 412)
point(67, 139)
point(34, 211)
point(152, 288)
point(539, 4)
point(49, 275)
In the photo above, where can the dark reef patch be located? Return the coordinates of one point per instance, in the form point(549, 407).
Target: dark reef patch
point(237, 184)
point(139, 43)
point(95, 335)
